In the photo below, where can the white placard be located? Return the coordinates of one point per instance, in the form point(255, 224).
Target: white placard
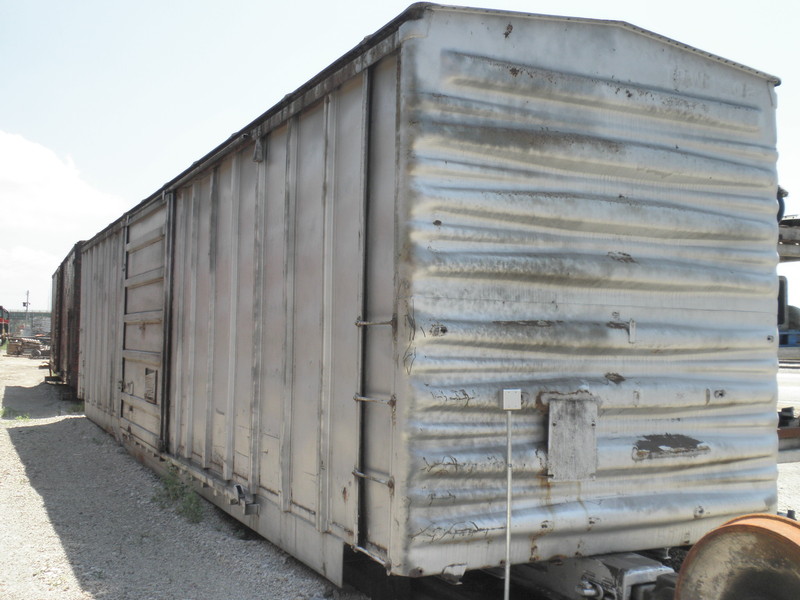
point(512, 399)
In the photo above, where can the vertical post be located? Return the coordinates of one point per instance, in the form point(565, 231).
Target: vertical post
point(512, 400)
point(27, 304)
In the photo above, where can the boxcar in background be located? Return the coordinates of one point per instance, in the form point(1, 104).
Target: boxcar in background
point(4, 325)
point(319, 318)
point(65, 325)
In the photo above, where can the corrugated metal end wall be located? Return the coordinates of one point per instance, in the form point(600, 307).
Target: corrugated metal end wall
point(591, 219)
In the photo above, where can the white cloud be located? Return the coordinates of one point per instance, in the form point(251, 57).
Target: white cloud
point(45, 207)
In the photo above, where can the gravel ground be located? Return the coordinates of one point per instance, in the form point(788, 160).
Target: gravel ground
point(81, 518)
point(789, 488)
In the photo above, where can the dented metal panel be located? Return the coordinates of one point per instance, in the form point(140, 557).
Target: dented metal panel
point(580, 224)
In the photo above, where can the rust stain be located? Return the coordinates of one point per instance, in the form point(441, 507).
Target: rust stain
point(531, 323)
point(456, 531)
point(458, 396)
point(534, 553)
point(437, 329)
point(448, 497)
point(546, 527)
point(447, 464)
point(623, 257)
point(544, 408)
point(614, 378)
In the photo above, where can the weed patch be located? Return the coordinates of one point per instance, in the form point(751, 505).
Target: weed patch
point(10, 413)
point(177, 492)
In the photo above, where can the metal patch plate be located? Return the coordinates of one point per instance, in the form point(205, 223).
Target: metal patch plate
point(571, 441)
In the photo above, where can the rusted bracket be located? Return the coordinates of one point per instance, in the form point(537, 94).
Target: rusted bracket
point(392, 401)
point(360, 323)
point(387, 482)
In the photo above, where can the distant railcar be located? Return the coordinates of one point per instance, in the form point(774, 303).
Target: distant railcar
point(319, 319)
point(4, 325)
point(65, 318)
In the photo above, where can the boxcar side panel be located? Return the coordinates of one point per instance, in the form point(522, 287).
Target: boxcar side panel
point(181, 359)
point(306, 359)
point(244, 425)
point(100, 374)
point(268, 290)
point(379, 339)
point(344, 253)
point(273, 311)
point(202, 324)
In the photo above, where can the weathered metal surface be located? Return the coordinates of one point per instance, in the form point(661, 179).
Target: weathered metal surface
point(65, 358)
point(145, 260)
point(753, 556)
point(575, 221)
point(571, 438)
point(101, 310)
point(323, 313)
point(267, 354)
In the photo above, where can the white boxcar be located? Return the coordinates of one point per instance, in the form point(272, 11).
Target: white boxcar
point(318, 319)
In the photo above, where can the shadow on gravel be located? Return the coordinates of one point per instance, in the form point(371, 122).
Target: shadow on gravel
point(93, 490)
point(56, 456)
point(120, 544)
point(42, 401)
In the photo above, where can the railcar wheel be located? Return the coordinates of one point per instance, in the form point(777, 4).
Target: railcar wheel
point(754, 557)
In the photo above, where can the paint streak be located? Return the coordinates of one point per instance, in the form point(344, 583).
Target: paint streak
point(667, 445)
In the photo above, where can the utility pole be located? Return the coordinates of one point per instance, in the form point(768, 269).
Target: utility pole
point(26, 304)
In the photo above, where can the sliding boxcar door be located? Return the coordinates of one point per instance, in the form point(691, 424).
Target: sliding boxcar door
point(145, 266)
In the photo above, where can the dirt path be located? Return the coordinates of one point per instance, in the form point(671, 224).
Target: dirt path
point(81, 520)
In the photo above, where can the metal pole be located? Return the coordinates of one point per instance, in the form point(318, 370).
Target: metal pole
point(512, 400)
point(27, 304)
point(507, 578)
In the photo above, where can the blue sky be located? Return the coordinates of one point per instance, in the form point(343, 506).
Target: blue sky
point(103, 102)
